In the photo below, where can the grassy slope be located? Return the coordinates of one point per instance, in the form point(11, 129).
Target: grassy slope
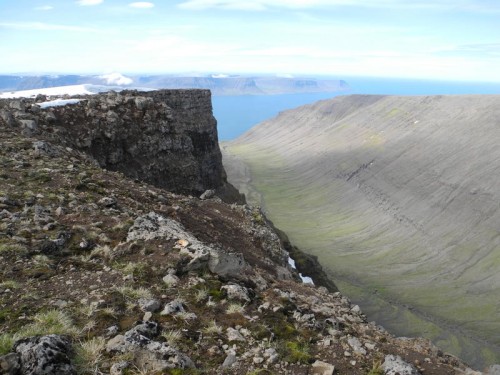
point(393, 194)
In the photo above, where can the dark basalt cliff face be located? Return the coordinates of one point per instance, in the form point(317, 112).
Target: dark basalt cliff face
point(167, 138)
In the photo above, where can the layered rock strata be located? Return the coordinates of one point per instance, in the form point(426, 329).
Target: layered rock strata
point(167, 138)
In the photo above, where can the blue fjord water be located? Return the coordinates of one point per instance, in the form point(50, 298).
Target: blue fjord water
point(237, 114)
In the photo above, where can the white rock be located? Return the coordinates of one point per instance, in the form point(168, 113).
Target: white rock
point(170, 280)
point(356, 346)
point(230, 359)
point(234, 335)
point(322, 368)
point(236, 292)
point(147, 316)
point(395, 365)
point(369, 345)
point(356, 309)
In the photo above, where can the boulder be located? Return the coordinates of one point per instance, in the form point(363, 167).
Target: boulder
point(394, 365)
point(44, 355)
point(236, 292)
point(322, 368)
point(10, 364)
point(148, 355)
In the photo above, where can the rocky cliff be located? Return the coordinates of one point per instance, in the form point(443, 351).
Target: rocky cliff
point(104, 274)
point(167, 138)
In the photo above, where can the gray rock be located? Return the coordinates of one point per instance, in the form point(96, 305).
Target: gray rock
point(170, 280)
point(44, 148)
point(272, 355)
point(236, 292)
point(30, 125)
point(173, 307)
point(7, 117)
point(151, 305)
point(226, 264)
point(493, 370)
point(111, 331)
point(394, 365)
point(154, 226)
point(234, 335)
point(147, 329)
point(208, 194)
point(150, 355)
point(118, 368)
point(322, 368)
point(230, 359)
point(45, 355)
point(107, 202)
point(10, 364)
point(356, 346)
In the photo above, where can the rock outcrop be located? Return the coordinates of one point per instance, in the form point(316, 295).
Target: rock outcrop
point(167, 138)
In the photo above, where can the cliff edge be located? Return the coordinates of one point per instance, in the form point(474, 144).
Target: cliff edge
point(167, 138)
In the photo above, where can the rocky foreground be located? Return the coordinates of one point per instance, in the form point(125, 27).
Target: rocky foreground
point(104, 274)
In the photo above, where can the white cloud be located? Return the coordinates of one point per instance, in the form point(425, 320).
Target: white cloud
point(116, 79)
point(41, 26)
point(260, 5)
point(141, 4)
point(89, 2)
point(45, 7)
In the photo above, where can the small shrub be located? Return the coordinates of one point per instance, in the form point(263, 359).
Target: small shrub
point(13, 248)
point(172, 336)
point(9, 284)
point(49, 322)
point(201, 295)
point(235, 308)
point(376, 369)
point(135, 293)
point(297, 352)
point(213, 328)
point(6, 343)
point(89, 355)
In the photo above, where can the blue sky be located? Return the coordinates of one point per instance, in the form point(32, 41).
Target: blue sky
point(435, 39)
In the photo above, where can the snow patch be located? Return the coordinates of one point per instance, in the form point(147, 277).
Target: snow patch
point(58, 103)
point(50, 91)
point(305, 279)
point(117, 79)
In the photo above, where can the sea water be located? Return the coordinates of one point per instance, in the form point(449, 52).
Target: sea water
point(237, 114)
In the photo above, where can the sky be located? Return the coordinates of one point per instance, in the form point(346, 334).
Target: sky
point(431, 39)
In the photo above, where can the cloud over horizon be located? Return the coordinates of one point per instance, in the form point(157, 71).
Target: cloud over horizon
point(44, 7)
point(141, 4)
point(89, 2)
point(433, 39)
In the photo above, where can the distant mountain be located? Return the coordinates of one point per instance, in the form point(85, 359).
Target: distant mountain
point(219, 85)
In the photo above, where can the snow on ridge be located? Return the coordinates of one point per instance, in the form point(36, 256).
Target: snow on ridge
point(58, 103)
point(50, 91)
point(116, 79)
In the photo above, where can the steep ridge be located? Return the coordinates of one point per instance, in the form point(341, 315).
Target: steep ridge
point(101, 273)
point(397, 195)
